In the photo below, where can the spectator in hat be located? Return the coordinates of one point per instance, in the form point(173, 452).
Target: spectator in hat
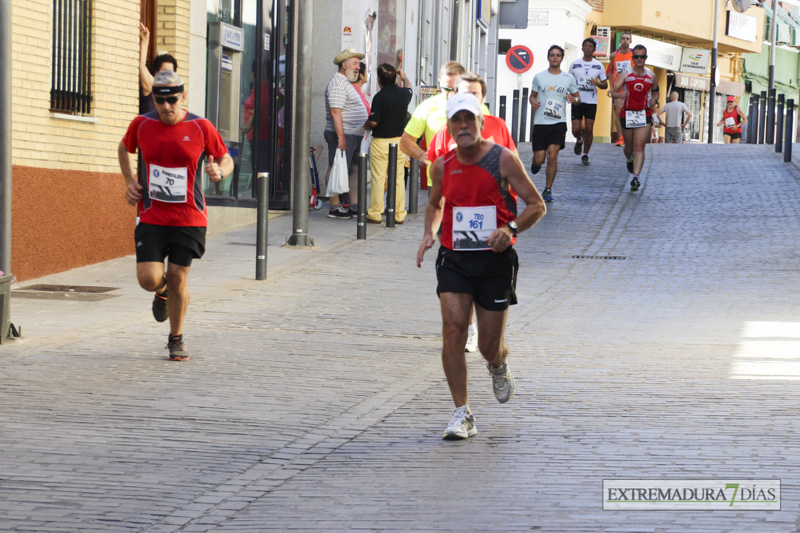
point(345, 113)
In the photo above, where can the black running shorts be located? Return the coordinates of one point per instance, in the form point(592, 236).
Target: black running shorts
point(545, 135)
point(490, 277)
point(587, 111)
point(180, 243)
point(733, 136)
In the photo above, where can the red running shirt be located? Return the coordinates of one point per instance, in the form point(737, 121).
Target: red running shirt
point(732, 115)
point(638, 88)
point(174, 156)
point(475, 186)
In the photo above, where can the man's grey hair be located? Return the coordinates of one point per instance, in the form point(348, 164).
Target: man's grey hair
point(168, 77)
point(673, 95)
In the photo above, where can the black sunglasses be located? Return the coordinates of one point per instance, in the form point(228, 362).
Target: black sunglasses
point(636, 56)
point(162, 99)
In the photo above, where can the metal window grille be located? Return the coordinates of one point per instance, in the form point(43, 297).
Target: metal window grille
point(70, 88)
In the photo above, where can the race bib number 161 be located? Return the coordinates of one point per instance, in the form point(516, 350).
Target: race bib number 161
point(472, 227)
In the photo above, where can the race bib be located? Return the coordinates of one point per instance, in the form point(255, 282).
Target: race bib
point(730, 122)
point(168, 184)
point(553, 109)
point(472, 227)
point(623, 67)
point(584, 83)
point(635, 119)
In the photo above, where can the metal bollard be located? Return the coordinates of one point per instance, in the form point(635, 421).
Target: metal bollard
point(762, 119)
point(361, 225)
point(779, 128)
point(262, 225)
point(523, 135)
point(391, 193)
point(789, 132)
point(752, 120)
point(413, 187)
point(502, 111)
point(771, 116)
point(515, 116)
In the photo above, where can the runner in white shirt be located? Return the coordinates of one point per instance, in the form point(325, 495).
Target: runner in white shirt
point(590, 75)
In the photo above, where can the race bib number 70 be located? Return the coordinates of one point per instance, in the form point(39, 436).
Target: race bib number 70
point(168, 184)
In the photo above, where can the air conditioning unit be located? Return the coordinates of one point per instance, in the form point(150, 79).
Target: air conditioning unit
point(602, 39)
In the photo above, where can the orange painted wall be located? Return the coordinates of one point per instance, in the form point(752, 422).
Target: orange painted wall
point(63, 219)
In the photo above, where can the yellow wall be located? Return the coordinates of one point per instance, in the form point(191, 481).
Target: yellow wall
point(669, 19)
point(42, 141)
point(39, 140)
point(690, 20)
point(173, 34)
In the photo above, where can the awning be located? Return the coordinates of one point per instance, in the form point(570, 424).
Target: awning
point(697, 83)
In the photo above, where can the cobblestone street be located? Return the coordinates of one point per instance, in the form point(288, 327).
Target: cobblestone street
point(657, 336)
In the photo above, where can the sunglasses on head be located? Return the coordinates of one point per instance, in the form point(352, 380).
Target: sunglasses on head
point(637, 56)
point(162, 99)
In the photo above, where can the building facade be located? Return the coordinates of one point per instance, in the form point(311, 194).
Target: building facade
point(536, 25)
point(755, 67)
point(68, 208)
point(679, 48)
point(75, 85)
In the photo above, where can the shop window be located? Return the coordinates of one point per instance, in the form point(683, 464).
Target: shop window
point(70, 85)
point(391, 27)
point(503, 46)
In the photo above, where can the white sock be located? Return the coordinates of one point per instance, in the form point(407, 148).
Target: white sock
point(472, 327)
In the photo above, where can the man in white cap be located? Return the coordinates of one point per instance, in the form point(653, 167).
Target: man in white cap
point(345, 113)
point(474, 198)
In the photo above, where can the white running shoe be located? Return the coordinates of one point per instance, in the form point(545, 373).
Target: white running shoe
point(472, 339)
point(502, 382)
point(461, 426)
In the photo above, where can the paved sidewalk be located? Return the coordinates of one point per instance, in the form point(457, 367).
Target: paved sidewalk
point(656, 337)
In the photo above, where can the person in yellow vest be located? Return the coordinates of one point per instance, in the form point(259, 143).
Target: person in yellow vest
point(429, 117)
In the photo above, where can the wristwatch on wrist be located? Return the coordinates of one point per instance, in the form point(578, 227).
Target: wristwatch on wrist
point(513, 227)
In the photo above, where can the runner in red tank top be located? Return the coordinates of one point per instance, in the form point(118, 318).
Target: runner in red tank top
point(637, 88)
point(172, 209)
point(732, 120)
point(471, 197)
point(495, 130)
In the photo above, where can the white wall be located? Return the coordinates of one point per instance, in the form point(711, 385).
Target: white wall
point(198, 48)
point(327, 43)
point(565, 27)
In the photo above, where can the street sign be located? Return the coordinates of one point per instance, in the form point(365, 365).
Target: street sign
point(519, 59)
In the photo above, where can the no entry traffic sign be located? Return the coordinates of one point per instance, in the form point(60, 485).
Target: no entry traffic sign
point(519, 59)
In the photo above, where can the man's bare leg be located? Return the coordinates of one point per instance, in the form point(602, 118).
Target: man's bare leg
point(455, 319)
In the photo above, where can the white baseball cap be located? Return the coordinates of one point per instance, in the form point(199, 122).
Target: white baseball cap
point(463, 102)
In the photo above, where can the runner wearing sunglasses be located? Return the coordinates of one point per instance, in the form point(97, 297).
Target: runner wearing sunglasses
point(637, 87)
point(171, 206)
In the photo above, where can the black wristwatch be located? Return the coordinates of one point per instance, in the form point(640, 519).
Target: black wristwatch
point(513, 227)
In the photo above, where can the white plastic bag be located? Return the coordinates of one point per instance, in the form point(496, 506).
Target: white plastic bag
point(338, 182)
